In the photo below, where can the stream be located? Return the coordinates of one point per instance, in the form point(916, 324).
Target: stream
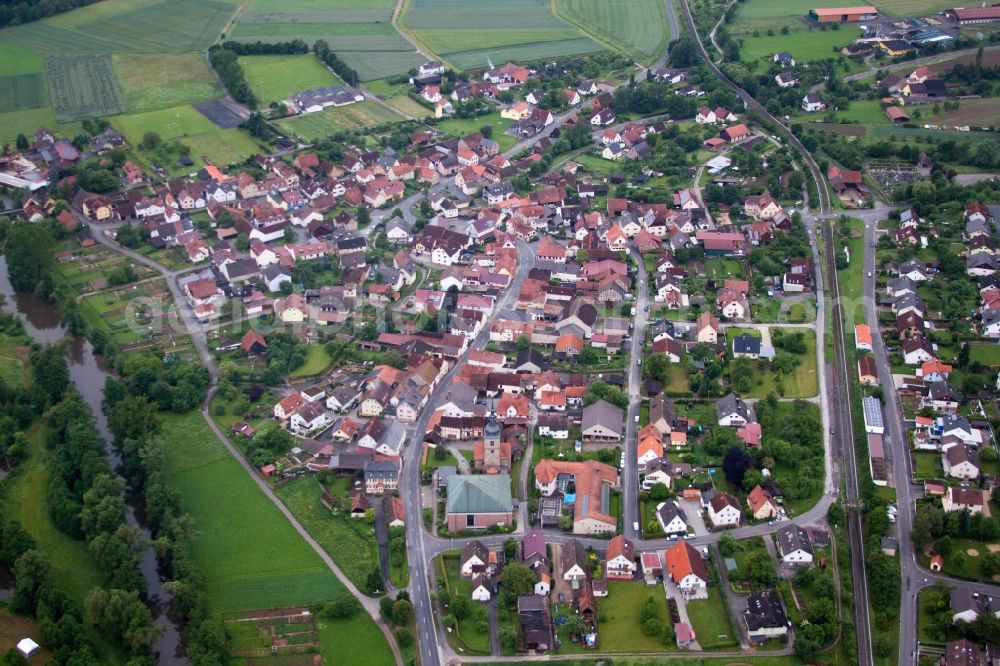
point(42, 322)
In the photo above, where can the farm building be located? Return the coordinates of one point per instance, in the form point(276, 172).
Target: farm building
point(840, 14)
point(971, 15)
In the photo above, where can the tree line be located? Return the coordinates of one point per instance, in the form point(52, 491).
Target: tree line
point(17, 12)
point(322, 50)
point(294, 47)
point(134, 421)
point(85, 502)
point(225, 62)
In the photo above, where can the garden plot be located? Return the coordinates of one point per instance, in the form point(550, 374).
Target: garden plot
point(83, 86)
point(266, 632)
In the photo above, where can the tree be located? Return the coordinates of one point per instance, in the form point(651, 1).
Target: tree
point(402, 611)
point(50, 373)
point(522, 343)
point(341, 608)
point(460, 606)
point(508, 636)
point(517, 580)
point(735, 464)
point(989, 564)
point(659, 492)
point(363, 216)
point(404, 637)
point(151, 141)
point(727, 544)
point(510, 550)
point(575, 625)
point(31, 577)
point(123, 616)
point(29, 252)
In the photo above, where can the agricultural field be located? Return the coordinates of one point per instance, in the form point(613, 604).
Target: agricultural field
point(455, 30)
point(972, 112)
point(152, 82)
point(330, 121)
point(22, 91)
point(359, 31)
point(72, 50)
point(250, 556)
point(17, 60)
point(274, 78)
point(638, 28)
point(83, 86)
point(126, 26)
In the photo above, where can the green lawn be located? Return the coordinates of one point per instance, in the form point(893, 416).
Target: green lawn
point(460, 127)
point(274, 78)
point(710, 621)
point(987, 353)
point(317, 361)
point(13, 361)
point(622, 630)
point(73, 569)
point(802, 383)
point(249, 554)
point(185, 124)
point(349, 541)
point(804, 45)
point(863, 111)
point(724, 269)
point(355, 641)
point(850, 279)
point(927, 465)
point(971, 552)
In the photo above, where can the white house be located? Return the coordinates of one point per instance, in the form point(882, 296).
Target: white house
point(481, 588)
point(724, 511)
point(671, 518)
point(794, 545)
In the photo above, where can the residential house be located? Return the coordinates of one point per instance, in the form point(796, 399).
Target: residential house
point(724, 511)
point(794, 545)
point(687, 570)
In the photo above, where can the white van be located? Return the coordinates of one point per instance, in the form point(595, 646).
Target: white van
point(635, 526)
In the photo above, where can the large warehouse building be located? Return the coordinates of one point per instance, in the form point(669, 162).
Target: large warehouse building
point(840, 14)
point(970, 15)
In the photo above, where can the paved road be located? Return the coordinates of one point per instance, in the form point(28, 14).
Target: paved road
point(431, 645)
point(630, 474)
point(914, 577)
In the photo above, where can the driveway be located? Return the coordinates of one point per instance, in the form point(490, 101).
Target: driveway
point(692, 509)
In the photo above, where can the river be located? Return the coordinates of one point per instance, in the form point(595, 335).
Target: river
point(42, 322)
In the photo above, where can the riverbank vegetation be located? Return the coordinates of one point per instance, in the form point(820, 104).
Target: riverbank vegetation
point(85, 506)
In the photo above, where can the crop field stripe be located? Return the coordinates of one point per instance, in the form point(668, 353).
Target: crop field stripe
point(82, 86)
point(22, 91)
point(316, 17)
point(634, 27)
